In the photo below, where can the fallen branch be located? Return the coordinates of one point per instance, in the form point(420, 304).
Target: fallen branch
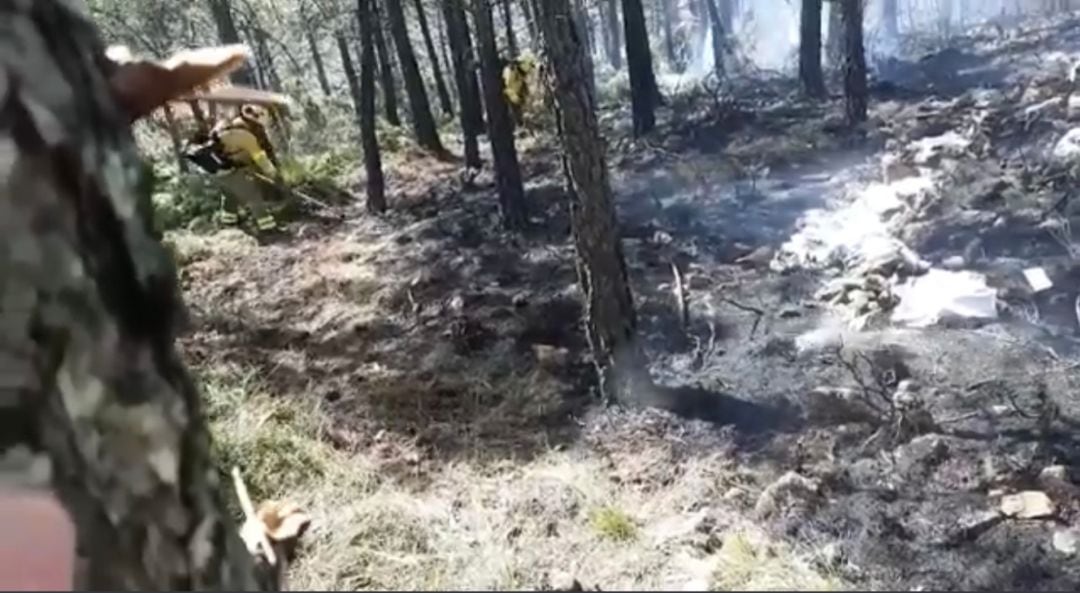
point(681, 299)
point(251, 518)
point(758, 312)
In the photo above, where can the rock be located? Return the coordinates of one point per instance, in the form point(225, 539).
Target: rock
point(923, 451)
point(1054, 473)
point(790, 311)
point(791, 488)
point(1066, 541)
point(837, 405)
point(1029, 504)
point(757, 258)
point(1068, 147)
point(859, 300)
point(520, 300)
point(550, 356)
point(953, 262)
point(662, 238)
point(1072, 111)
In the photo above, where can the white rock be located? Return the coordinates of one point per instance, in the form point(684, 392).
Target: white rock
point(1066, 541)
point(1068, 148)
point(1029, 504)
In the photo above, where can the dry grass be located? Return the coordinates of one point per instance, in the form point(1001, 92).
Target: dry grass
point(474, 525)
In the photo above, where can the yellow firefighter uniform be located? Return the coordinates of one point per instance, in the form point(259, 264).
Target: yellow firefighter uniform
point(244, 144)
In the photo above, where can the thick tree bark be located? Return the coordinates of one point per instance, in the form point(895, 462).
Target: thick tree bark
point(719, 34)
point(854, 61)
point(615, 30)
point(457, 33)
point(610, 321)
point(810, 73)
point(376, 186)
point(427, 134)
point(644, 93)
point(436, 68)
point(500, 122)
point(508, 27)
point(316, 58)
point(96, 405)
point(221, 11)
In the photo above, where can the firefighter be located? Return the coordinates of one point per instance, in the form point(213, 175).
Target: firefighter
point(240, 153)
point(515, 74)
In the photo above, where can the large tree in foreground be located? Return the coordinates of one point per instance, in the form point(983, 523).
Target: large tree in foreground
point(472, 122)
point(96, 404)
point(851, 19)
point(610, 318)
point(810, 74)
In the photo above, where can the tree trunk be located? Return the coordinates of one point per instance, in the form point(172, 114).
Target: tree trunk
point(605, 28)
point(530, 21)
point(266, 61)
point(854, 61)
point(427, 135)
point(457, 33)
point(668, 21)
point(444, 47)
point(376, 186)
point(386, 70)
point(508, 25)
point(97, 405)
point(581, 16)
point(719, 34)
point(316, 57)
point(350, 72)
point(174, 137)
point(616, 55)
point(643, 90)
point(810, 74)
point(500, 122)
point(436, 68)
point(221, 11)
point(610, 321)
point(890, 20)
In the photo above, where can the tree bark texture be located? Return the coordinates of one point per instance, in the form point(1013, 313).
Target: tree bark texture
point(221, 11)
point(643, 89)
point(851, 16)
point(350, 71)
point(427, 134)
point(386, 71)
point(95, 403)
point(500, 122)
point(810, 73)
point(668, 18)
point(834, 44)
point(610, 320)
point(376, 185)
point(457, 33)
point(436, 68)
point(615, 31)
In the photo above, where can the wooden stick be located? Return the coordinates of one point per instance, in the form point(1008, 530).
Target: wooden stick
point(249, 515)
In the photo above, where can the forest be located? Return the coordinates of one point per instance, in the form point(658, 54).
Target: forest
point(546, 294)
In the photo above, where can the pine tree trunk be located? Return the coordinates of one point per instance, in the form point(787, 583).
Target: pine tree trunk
point(436, 68)
point(605, 28)
point(719, 34)
point(96, 404)
point(854, 61)
point(500, 122)
point(610, 322)
point(444, 46)
point(810, 73)
point(616, 55)
point(316, 57)
point(643, 89)
point(530, 21)
point(508, 26)
point(376, 186)
point(427, 134)
point(386, 70)
point(266, 62)
point(581, 16)
point(221, 11)
point(457, 33)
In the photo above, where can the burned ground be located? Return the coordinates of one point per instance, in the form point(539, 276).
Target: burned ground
point(431, 339)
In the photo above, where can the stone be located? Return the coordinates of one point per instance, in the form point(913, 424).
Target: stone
point(838, 405)
point(953, 262)
point(1029, 504)
point(1066, 541)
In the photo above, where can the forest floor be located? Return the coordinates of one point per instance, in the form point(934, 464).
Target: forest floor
point(419, 382)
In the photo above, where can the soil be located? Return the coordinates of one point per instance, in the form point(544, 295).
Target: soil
point(434, 326)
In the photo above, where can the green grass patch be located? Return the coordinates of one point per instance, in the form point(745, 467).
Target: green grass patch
point(613, 524)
